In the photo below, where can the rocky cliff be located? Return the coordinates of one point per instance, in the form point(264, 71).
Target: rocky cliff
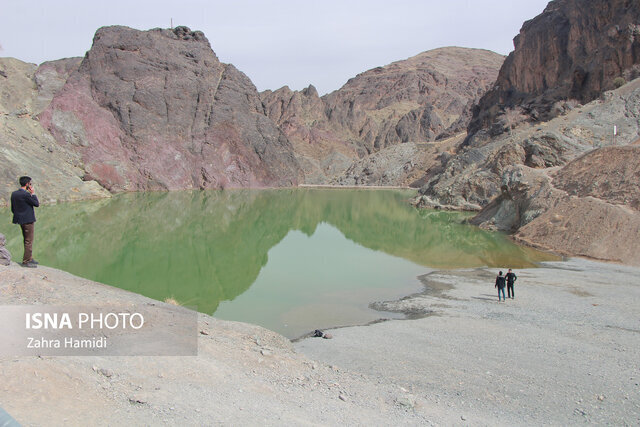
point(157, 110)
point(543, 162)
point(419, 99)
point(596, 40)
point(574, 50)
point(412, 100)
point(26, 148)
point(322, 149)
point(469, 177)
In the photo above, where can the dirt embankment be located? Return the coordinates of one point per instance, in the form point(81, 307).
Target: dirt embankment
point(243, 374)
point(590, 207)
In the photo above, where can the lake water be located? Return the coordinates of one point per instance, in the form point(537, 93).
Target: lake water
point(291, 260)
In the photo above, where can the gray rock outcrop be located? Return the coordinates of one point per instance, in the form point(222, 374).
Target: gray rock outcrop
point(589, 207)
point(473, 176)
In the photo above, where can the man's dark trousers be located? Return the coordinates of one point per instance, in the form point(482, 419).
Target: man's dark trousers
point(28, 230)
point(510, 290)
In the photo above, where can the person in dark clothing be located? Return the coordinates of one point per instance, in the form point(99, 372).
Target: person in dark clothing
point(500, 283)
point(511, 279)
point(22, 203)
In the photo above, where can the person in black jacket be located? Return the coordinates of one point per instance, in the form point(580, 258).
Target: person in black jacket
point(22, 203)
point(500, 283)
point(511, 279)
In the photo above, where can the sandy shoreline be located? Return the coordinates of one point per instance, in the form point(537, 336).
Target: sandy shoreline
point(563, 352)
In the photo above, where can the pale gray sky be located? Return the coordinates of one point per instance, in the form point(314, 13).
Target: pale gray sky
point(276, 42)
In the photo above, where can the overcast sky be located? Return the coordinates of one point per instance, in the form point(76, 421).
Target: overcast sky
point(277, 42)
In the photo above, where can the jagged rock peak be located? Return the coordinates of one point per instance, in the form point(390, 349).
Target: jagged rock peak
point(575, 49)
point(177, 33)
point(310, 91)
point(184, 33)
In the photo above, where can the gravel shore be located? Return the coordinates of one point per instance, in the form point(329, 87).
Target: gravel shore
point(563, 352)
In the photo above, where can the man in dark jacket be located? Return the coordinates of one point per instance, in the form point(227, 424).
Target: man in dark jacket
point(22, 203)
point(511, 279)
point(500, 283)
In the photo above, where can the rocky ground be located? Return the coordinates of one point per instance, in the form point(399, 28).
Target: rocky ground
point(243, 374)
point(563, 352)
point(397, 165)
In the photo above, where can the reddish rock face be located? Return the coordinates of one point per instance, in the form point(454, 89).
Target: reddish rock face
point(575, 49)
point(423, 98)
point(156, 110)
point(415, 100)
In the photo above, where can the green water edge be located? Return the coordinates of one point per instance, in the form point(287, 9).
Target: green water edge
point(291, 260)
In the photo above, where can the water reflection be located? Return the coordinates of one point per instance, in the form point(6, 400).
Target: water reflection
point(202, 248)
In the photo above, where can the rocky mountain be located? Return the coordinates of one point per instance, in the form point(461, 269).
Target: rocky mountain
point(26, 148)
point(471, 176)
point(419, 99)
point(413, 100)
point(321, 149)
point(538, 162)
point(157, 110)
point(574, 50)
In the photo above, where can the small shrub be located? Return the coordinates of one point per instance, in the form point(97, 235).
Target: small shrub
point(172, 301)
point(619, 81)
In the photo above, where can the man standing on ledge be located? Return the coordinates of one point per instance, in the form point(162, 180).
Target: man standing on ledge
point(22, 203)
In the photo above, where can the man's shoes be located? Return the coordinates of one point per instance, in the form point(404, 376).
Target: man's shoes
point(33, 261)
point(29, 264)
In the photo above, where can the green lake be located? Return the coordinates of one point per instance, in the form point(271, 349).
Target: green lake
point(291, 260)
